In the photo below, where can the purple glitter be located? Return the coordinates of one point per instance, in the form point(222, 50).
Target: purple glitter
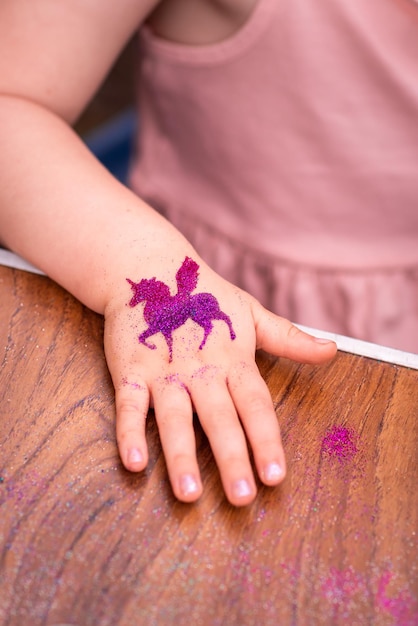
point(175, 379)
point(164, 312)
point(340, 443)
point(134, 385)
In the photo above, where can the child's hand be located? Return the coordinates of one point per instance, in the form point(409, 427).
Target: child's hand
point(191, 349)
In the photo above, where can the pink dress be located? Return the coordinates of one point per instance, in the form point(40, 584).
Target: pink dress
point(288, 155)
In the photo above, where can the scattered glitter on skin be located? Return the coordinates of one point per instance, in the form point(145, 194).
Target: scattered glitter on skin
point(164, 312)
point(125, 381)
point(206, 373)
point(340, 443)
point(175, 379)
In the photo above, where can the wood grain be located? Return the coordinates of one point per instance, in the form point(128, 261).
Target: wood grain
point(84, 542)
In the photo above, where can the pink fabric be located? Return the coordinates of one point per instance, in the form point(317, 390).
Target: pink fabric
point(288, 155)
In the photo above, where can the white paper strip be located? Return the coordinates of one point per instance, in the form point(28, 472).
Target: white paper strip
point(364, 348)
point(10, 259)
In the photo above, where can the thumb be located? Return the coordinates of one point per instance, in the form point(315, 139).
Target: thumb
point(282, 338)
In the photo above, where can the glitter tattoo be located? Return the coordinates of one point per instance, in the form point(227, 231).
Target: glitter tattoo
point(164, 312)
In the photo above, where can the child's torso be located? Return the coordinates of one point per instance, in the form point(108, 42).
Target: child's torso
point(298, 133)
point(199, 22)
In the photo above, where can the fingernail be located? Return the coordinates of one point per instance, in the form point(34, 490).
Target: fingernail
point(273, 472)
point(241, 488)
point(188, 485)
point(323, 340)
point(134, 456)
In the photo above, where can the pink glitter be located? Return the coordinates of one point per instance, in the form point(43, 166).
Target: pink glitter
point(344, 588)
point(340, 443)
point(403, 607)
point(164, 312)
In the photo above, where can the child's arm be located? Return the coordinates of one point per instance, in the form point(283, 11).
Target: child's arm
point(53, 57)
point(61, 210)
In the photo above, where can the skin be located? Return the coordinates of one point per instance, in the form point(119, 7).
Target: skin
point(60, 209)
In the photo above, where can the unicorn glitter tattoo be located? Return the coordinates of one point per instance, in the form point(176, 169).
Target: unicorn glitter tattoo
point(164, 312)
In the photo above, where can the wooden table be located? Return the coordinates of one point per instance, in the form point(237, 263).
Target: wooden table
point(84, 542)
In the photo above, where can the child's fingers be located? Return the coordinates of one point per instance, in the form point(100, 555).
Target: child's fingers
point(279, 336)
point(174, 415)
point(218, 417)
point(132, 403)
point(255, 408)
